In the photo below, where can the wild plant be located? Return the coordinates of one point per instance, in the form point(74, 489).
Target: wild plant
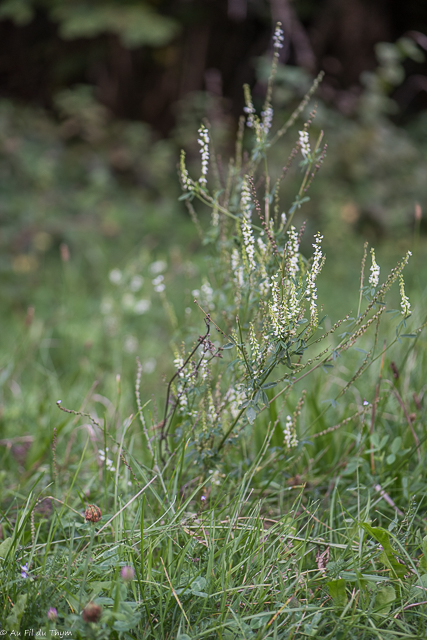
point(262, 304)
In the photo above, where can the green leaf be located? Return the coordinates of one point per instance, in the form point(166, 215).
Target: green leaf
point(269, 385)
point(251, 414)
point(134, 24)
point(13, 621)
point(396, 445)
point(19, 11)
point(229, 345)
point(388, 558)
point(337, 592)
point(384, 598)
point(423, 564)
point(4, 547)
point(260, 620)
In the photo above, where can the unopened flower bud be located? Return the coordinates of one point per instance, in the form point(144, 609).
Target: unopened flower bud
point(92, 612)
point(127, 574)
point(93, 513)
point(52, 614)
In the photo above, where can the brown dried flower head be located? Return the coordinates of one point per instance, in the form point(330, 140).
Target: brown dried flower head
point(93, 513)
point(92, 612)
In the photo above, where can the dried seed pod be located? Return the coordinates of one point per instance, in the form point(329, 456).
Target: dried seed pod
point(93, 513)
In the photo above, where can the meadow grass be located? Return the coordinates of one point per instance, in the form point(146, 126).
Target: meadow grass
point(231, 504)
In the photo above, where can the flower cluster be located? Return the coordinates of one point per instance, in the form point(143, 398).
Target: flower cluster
point(375, 271)
point(404, 301)
point(277, 308)
point(316, 267)
point(186, 181)
point(255, 350)
point(204, 151)
point(103, 457)
point(289, 433)
point(267, 119)
point(249, 109)
point(278, 37)
point(293, 251)
point(248, 239)
point(158, 284)
point(304, 143)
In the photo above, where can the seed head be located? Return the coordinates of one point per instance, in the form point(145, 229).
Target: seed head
point(93, 513)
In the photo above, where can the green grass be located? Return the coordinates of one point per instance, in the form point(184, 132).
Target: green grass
point(226, 537)
point(326, 541)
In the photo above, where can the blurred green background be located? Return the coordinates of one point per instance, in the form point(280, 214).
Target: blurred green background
point(97, 99)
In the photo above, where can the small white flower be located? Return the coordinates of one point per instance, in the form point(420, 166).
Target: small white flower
point(158, 284)
point(130, 344)
point(142, 306)
point(207, 292)
point(149, 365)
point(115, 276)
point(136, 283)
point(158, 266)
point(108, 462)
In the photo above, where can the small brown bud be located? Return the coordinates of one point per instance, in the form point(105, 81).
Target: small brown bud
point(92, 612)
point(395, 370)
point(93, 513)
point(65, 252)
point(29, 317)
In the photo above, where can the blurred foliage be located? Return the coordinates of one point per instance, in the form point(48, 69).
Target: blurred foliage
point(135, 23)
point(374, 172)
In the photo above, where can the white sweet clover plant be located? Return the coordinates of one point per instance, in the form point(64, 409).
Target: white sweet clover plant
point(266, 300)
